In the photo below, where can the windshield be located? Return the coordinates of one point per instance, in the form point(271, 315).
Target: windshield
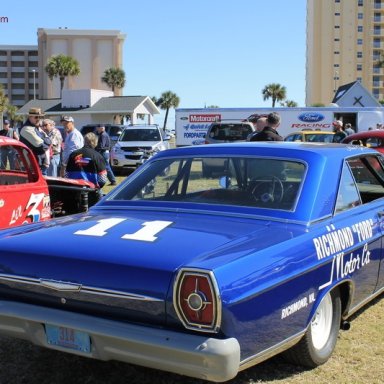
point(319, 137)
point(230, 132)
point(261, 182)
point(147, 134)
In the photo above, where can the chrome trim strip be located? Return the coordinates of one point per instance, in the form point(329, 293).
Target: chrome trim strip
point(272, 351)
point(363, 303)
point(64, 286)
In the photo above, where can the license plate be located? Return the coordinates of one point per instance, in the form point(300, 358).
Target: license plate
point(68, 338)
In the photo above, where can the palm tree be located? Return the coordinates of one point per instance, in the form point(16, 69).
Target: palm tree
point(62, 66)
point(114, 78)
point(166, 101)
point(11, 114)
point(275, 91)
point(289, 104)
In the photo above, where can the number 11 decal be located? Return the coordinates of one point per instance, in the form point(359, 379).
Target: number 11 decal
point(147, 233)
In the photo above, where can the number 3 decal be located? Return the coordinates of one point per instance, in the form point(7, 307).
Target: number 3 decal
point(147, 233)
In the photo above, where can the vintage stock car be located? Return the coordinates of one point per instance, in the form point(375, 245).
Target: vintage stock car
point(26, 196)
point(206, 276)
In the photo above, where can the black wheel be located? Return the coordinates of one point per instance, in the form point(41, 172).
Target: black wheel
point(318, 343)
point(269, 191)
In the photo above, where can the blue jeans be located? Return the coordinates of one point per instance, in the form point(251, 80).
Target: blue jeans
point(110, 174)
point(54, 165)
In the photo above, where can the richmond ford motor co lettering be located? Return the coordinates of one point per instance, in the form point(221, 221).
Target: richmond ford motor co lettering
point(337, 240)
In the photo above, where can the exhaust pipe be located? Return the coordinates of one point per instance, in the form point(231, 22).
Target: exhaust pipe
point(345, 325)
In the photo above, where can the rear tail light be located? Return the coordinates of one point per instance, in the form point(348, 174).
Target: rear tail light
point(197, 301)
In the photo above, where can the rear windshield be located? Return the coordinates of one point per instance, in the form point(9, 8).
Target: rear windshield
point(230, 132)
point(250, 182)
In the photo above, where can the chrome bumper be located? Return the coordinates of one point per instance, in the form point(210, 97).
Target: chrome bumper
point(185, 354)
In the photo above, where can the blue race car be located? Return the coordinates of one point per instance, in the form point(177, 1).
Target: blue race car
point(206, 276)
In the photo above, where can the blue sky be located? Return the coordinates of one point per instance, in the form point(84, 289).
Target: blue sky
point(209, 52)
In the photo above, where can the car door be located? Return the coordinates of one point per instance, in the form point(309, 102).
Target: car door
point(359, 215)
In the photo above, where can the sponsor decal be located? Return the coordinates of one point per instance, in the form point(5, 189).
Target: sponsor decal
point(297, 305)
point(2, 203)
point(337, 240)
point(346, 264)
point(204, 118)
point(311, 117)
point(322, 126)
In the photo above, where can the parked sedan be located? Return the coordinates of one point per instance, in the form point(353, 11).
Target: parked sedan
point(372, 139)
point(206, 276)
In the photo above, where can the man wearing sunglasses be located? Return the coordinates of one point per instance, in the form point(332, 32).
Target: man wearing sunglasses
point(32, 135)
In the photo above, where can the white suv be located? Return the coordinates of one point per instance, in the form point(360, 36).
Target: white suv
point(136, 144)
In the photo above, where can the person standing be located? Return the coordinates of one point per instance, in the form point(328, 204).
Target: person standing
point(259, 122)
point(339, 135)
point(103, 147)
point(74, 140)
point(56, 139)
point(269, 132)
point(86, 163)
point(348, 129)
point(34, 137)
point(7, 155)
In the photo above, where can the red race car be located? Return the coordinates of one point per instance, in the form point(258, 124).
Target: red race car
point(26, 196)
point(373, 139)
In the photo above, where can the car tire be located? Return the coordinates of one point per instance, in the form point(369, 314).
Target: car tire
point(319, 342)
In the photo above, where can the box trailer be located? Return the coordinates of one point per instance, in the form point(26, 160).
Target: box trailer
point(191, 124)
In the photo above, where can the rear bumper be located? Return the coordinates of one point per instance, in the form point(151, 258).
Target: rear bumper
point(192, 355)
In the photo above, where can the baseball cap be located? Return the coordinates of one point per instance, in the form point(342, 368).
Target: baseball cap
point(67, 118)
point(338, 122)
point(6, 122)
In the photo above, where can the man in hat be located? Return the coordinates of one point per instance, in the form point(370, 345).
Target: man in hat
point(33, 136)
point(339, 135)
point(73, 140)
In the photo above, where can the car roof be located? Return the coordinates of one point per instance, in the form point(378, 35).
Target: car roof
point(323, 162)
point(366, 134)
point(142, 126)
point(268, 148)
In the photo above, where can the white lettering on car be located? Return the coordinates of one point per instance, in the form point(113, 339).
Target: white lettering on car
point(17, 213)
point(342, 266)
point(337, 240)
point(148, 231)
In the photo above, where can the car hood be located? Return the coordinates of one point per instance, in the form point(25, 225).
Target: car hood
point(129, 256)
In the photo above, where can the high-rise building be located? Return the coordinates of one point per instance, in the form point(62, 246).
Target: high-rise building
point(22, 72)
point(19, 73)
point(95, 50)
point(345, 41)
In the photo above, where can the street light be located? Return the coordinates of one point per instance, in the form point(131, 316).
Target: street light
point(34, 84)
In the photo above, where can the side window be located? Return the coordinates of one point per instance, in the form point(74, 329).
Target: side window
point(369, 177)
point(348, 195)
point(16, 166)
